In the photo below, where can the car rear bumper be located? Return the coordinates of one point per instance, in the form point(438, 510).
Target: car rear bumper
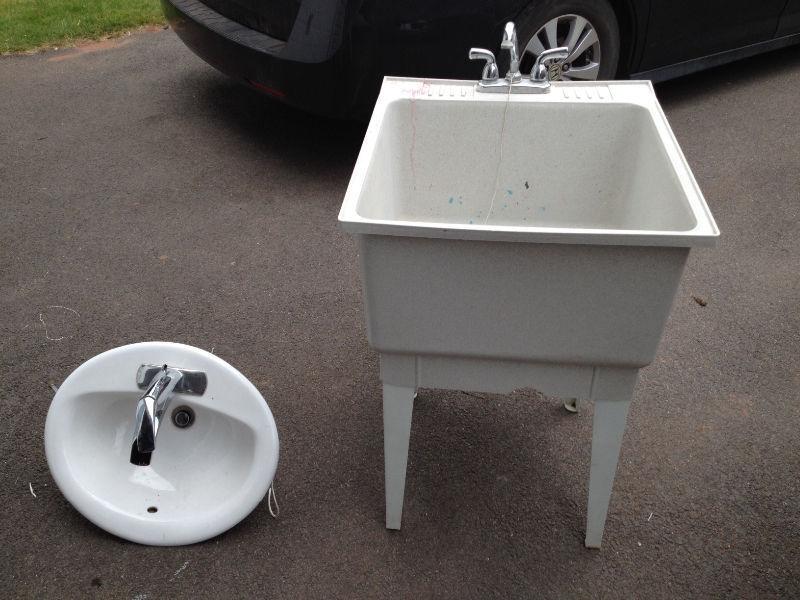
point(307, 73)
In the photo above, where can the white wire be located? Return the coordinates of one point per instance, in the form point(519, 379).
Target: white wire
point(499, 156)
point(271, 498)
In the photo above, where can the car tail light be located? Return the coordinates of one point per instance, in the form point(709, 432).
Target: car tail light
point(267, 89)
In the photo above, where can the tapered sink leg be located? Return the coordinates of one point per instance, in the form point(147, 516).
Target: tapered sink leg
point(612, 392)
point(398, 405)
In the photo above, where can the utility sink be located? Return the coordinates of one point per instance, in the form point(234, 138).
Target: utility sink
point(588, 183)
point(511, 240)
point(586, 163)
point(202, 479)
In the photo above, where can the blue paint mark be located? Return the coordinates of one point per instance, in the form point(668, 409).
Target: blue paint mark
point(509, 192)
point(470, 221)
point(450, 200)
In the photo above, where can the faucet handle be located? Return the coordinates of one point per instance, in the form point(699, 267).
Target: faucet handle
point(539, 72)
point(490, 72)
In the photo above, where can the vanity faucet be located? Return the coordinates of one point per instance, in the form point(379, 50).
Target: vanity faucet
point(149, 412)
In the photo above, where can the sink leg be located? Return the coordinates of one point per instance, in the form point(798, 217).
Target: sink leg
point(398, 405)
point(612, 391)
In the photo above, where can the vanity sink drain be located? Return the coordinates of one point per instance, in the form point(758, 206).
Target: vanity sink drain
point(182, 417)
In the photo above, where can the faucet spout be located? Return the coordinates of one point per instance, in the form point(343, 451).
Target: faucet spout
point(149, 412)
point(509, 42)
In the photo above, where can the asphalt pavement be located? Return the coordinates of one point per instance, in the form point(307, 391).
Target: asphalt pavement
point(145, 196)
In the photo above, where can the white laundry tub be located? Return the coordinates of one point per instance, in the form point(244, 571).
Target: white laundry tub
point(512, 240)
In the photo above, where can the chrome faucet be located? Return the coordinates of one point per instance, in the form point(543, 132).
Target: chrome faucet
point(537, 83)
point(509, 42)
point(149, 412)
point(160, 383)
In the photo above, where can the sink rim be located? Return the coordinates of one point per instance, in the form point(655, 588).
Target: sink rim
point(639, 93)
point(162, 528)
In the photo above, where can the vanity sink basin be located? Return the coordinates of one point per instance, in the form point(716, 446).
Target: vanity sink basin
point(202, 479)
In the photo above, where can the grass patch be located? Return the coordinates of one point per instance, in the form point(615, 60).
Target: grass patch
point(29, 24)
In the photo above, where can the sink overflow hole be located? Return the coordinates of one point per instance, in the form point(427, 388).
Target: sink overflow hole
point(152, 509)
point(182, 417)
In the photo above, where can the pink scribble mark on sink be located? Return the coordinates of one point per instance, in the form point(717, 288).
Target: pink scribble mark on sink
point(415, 92)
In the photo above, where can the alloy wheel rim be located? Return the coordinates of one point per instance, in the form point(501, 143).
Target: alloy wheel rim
point(579, 36)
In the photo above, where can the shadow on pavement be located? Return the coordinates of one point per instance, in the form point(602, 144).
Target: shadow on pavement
point(277, 127)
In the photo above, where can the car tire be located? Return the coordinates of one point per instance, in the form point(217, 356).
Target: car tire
point(589, 26)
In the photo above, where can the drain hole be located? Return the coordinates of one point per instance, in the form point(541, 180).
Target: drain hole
point(183, 417)
point(152, 509)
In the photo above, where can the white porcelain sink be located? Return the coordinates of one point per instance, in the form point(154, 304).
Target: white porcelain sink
point(202, 480)
point(520, 240)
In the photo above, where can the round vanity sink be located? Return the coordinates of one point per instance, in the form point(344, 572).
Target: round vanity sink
point(215, 457)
